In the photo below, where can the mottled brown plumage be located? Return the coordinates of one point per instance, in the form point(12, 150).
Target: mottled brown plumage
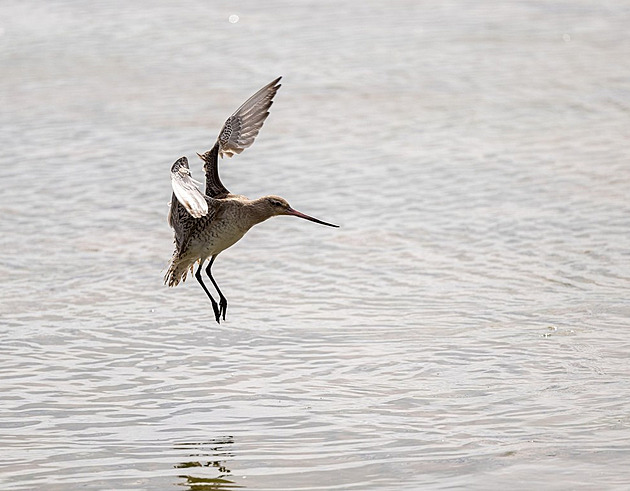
point(204, 225)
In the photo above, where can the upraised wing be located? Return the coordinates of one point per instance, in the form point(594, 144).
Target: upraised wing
point(186, 192)
point(241, 129)
point(238, 133)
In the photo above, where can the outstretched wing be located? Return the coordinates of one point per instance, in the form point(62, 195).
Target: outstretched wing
point(186, 192)
point(238, 133)
point(240, 129)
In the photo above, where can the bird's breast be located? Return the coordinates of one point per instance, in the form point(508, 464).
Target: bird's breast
point(221, 233)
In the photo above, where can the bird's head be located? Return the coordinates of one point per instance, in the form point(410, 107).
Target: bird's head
point(275, 205)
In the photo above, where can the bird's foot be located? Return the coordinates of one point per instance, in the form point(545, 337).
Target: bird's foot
point(223, 306)
point(217, 312)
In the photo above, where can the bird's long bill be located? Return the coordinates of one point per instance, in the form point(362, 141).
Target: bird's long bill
point(296, 213)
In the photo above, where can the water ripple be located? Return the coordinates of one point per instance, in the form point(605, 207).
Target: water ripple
point(465, 328)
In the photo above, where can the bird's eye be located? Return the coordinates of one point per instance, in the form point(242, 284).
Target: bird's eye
point(276, 203)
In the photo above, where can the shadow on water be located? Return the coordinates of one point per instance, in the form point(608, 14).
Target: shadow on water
point(206, 458)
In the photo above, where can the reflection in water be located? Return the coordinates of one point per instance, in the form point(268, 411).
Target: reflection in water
point(206, 456)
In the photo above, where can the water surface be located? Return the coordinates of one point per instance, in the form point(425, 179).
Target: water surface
point(465, 328)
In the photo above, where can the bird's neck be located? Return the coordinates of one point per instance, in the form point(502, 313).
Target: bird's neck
point(257, 211)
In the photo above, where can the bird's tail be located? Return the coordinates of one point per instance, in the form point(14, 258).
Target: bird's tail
point(177, 270)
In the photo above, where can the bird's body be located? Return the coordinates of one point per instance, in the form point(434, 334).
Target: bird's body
point(227, 222)
point(207, 224)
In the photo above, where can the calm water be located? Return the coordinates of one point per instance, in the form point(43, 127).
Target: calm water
point(468, 327)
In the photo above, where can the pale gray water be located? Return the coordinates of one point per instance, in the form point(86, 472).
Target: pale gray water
point(466, 328)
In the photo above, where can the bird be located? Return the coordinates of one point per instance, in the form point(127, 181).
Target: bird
point(206, 224)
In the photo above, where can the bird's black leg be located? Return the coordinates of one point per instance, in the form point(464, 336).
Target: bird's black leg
point(215, 307)
point(222, 299)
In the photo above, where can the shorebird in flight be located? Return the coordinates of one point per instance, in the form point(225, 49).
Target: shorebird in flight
point(207, 224)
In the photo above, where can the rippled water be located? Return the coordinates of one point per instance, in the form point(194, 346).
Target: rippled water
point(466, 328)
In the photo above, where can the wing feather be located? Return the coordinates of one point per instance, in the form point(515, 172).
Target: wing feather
point(186, 191)
point(240, 129)
point(238, 133)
